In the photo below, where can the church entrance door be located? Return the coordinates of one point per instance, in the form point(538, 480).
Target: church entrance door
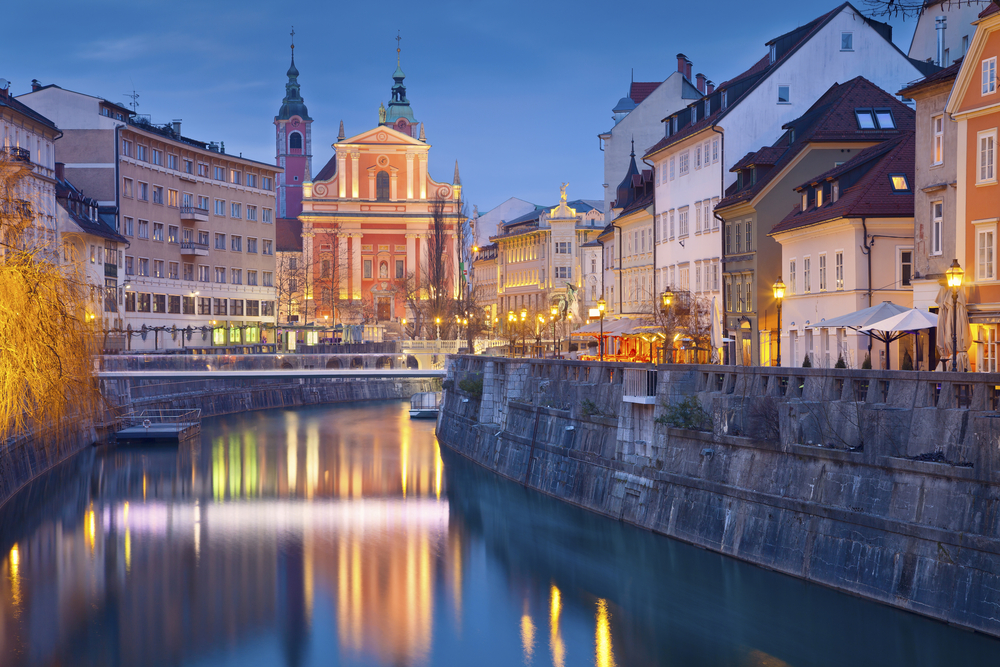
point(383, 308)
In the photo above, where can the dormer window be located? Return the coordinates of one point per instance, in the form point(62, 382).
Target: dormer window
point(774, 53)
point(866, 119)
point(884, 119)
point(725, 98)
point(739, 180)
point(835, 191)
point(899, 182)
point(871, 119)
point(753, 176)
point(805, 199)
point(819, 196)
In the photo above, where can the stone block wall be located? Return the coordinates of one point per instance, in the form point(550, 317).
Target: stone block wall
point(865, 515)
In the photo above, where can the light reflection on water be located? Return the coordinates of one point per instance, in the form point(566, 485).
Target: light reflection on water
point(339, 535)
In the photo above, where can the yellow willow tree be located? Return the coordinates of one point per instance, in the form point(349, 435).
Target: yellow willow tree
point(47, 340)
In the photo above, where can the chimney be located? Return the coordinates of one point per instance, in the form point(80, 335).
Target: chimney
point(681, 63)
point(710, 87)
point(177, 126)
point(60, 171)
point(35, 85)
point(687, 68)
point(700, 78)
point(940, 24)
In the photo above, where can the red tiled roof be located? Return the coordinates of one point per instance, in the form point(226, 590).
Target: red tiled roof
point(640, 90)
point(872, 196)
point(328, 171)
point(830, 119)
point(288, 235)
point(992, 9)
point(759, 68)
point(941, 76)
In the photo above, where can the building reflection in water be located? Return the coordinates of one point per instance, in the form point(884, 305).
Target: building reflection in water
point(178, 554)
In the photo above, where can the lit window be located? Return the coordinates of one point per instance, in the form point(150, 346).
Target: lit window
point(784, 95)
point(937, 214)
point(987, 157)
point(937, 125)
point(899, 183)
point(986, 252)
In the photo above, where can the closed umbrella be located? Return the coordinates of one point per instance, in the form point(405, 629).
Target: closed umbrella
point(945, 302)
point(716, 330)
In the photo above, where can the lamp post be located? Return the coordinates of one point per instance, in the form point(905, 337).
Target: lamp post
point(779, 293)
point(954, 275)
point(666, 301)
point(601, 305)
point(437, 322)
point(511, 318)
point(524, 344)
point(540, 332)
point(557, 349)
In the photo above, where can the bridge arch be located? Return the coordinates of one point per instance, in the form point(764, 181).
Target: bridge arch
point(411, 362)
point(357, 362)
point(334, 363)
point(383, 362)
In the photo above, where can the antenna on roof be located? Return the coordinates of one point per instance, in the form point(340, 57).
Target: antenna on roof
point(134, 96)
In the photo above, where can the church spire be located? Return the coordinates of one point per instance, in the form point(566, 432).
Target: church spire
point(458, 179)
point(340, 137)
point(293, 104)
point(399, 106)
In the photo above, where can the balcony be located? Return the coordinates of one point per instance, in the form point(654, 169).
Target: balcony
point(16, 208)
point(640, 386)
point(15, 154)
point(194, 248)
point(194, 214)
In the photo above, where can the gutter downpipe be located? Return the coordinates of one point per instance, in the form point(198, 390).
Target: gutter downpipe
point(722, 236)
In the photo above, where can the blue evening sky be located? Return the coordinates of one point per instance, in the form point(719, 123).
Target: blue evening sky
point(517, 92)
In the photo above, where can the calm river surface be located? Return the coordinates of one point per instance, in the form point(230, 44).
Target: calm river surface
point(345, 536)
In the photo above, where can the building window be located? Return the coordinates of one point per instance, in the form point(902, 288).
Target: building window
point(236, 243)
point(251, 277)
point(899, 182)
point(252, 213)
point(157, 157)
point(220, 241)
point(189, 169)
point(172, 198)
point(295, 140)
point(144, 229)
point(252, 246)
point(268, 279)
point(128, 227)
point(671, 224)
point(220, 275)
point(142, 192)
point(564, 272)
point(784, 94)
point(158, 231)
point(987, 171)
point(266, 184)
point(684, 159)
point(839, 269)
point(203, 275)
point(234, 211)
point(906, 267)
point(866, 119)
point(697, 217)
point(129, 266)
point(158, 268)
point(188, 271)
point(885, 119)
point(791, 276)
point(266, 216)
point(382, 186)
point(174, 305)
point(807, 275)
point(682, 222)
point(251, 180)
point(268, 247)
point(140, 153)
point(235, 176)
point(157, 194)
point(822, 272)
point(937, 125)
point(221, 308)
point(127, 187)
point(729, 293)
point(937, 213)
point(219, 173)
point(847, 41)
point(367, 269)
point(172, 234)
point(236, 307)
point(145, 304)
point(986, 252)
point(739, 237)
point(126, 148)
point(671, 169)
point(990, 76)
point(188, 305)
point(697, 157)
point(749, 235)
point(400, 267)
point(236, 277)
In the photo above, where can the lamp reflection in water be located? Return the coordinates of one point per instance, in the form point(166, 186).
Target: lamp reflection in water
point(555, 635)
point(527, 635)
point(14, 564)
point(605, 655)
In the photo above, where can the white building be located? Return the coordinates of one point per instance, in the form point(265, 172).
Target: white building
point(704, 140)
point(486, 225)
point(955, 31)
point(637, 118)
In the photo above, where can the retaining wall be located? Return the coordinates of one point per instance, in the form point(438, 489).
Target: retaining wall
point(840, 493)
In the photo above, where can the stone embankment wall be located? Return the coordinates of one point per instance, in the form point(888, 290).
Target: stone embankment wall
point(25, 457)
point(881, 484)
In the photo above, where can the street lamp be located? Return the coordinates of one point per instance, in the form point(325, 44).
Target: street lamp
point(666, 301)
point(601, 305)
point(779, 293)
point(557, 349)
point(437, 321)
point(954, 275)
point(524, 344)
point(511, 318)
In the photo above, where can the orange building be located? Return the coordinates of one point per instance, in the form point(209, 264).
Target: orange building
point(368, 219)
point(975, 105)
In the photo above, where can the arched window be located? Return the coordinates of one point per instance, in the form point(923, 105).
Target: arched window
point(295, 140)
point(382, 186)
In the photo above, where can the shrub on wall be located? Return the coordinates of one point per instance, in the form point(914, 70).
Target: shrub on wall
point(840, 362)
point(686, 414)
point(472, 385)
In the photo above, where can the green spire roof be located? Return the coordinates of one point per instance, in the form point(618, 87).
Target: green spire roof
point(293, 104)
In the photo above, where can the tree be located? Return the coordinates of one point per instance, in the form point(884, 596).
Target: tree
point(687, 320)
point(911, 8)
point(47, 336)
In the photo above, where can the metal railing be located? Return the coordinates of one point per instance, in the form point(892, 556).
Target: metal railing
point(13, 153)
point(193, 210)
point(153, 416)
point(640, 386)
point(193, 245)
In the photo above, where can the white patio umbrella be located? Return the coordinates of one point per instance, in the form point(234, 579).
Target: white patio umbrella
point(945, 301)
point(900, 325)
point(864, 318)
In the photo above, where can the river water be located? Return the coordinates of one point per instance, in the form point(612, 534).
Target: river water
point(345, 536)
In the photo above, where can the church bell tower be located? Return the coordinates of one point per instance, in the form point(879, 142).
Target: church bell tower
point(293, 145)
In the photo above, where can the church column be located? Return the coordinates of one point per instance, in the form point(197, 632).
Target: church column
point(393, 183)
point(355, 158)
point(422, 174)
point(409, 175)
point(411, 254)
point(342, 173)
point(356, 265)
point(424, 256)
point(371, 185)
point(341, 264)
point(308, 275)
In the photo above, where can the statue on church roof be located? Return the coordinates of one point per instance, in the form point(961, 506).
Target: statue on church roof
point(381, 114)
point(562, 193)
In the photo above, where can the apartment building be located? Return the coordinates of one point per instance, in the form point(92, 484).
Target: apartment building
point(539, 255)
point(484, 280)
point(199, 268)
point(632, 218)
point(707, 138)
